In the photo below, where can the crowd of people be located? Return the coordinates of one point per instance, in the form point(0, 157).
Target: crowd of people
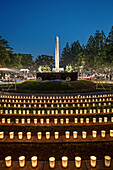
point(96, 76)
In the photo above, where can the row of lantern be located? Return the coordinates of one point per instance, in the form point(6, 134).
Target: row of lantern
point(56, 134)
point(52, 163)
point(55, 101)
point(55, 105)
point(85, 111)
point(56, 97)
point(62, 121)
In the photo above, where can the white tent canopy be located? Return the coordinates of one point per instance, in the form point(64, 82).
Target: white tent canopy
point(7, 70)
point(24, 70)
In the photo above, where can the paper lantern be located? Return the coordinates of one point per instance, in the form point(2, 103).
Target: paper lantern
point(1, 135)
point(111, 119)
point(62, 105)
point(81, 111)
point(93, 161)
point(24, 112)
point(67, 120)
point(74, 134)
point(81, 120)
point(100, 120)
point(41, 121)
point(103, 133)
point(94, 120)
point(90, 111)
point(76, 120)
point(56, 111)
point(55, 121)
point(94, 110)
point(67, 111)
point(17, 121)
point(85, 111)
point(3, 120)
point(98, 110)
point(87, 120)
point(8, 161)
point(62, 111)
point(28, 135)
point(111, 133)
point(22, 121)
point(35, 121)
point(11, 135)
point(67, 134)
point(94, 134)
point(38, 112)
point(9, 121)
point(108, 110)
point(52, 112)
point(47, 135)
point(77, 162)
point(71, 111)
point(105, 119)
point(28, 121)
point(52, 162)
point(27, 111)
point(19, 111)
point(5, 105)
point(105, 104)
point(47, 121)
point(64, 162)
point(104, 110)
point(20, 135)
point(66, 105)
point(6, 111)
point(45, 105)
point(78, 105)
point(56, 135)
point(22, 161)
point(76, 111)
point(39, 135)
point(34, 111)
point(34, 161)
point(107, 161)
point(61, 121)
point(84, 134)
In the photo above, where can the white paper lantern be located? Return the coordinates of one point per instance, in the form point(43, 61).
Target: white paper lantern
point(8, 161)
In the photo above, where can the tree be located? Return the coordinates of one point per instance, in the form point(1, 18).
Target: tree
point(110, 45)
point(5, 52)
point(75, 50)
point(15, 61)
point(69, 54)
point(96, 50)
point(65, 56)
point(27, 60)
point(45, 60)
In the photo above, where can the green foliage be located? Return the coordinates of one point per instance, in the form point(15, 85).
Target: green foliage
point(44, 69)
point(5, 52)
point(8, 59)
point(97, 54)
point(45, 85)
point(55, 86)
point(45, 60)
point(69, 68)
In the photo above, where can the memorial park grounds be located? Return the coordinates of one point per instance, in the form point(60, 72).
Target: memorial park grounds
point(68, 108)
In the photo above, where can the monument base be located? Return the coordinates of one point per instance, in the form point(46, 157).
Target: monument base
point(68, 76)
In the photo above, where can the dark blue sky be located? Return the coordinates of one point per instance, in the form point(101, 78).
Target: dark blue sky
point(30, 26)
